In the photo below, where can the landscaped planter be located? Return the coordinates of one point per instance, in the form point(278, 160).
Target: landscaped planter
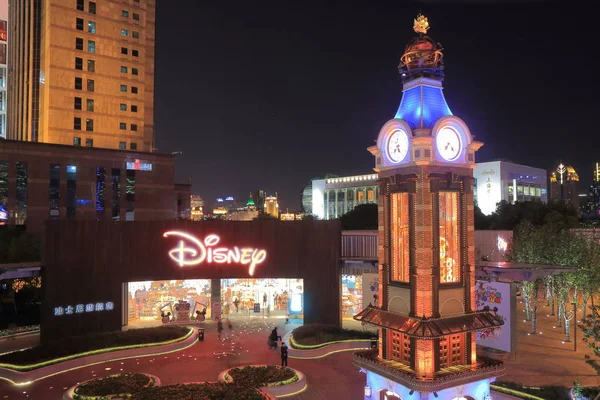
point(20, 331)
point(95, 357)
point(103, 389)
point(287, 387)
point(193, 390)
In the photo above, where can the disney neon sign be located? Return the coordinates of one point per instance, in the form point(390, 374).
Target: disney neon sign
point(192, 251)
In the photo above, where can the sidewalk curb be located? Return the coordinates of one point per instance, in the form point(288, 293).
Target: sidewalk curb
point(351, 345)
point(23, 378)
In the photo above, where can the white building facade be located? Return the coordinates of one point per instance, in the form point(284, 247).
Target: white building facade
point(500, 180)
point(3, 64)
point(334, 197)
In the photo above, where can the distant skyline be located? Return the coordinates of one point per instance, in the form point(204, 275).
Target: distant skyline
point(269, 96)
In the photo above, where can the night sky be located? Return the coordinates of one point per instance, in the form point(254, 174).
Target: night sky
point(271, 94)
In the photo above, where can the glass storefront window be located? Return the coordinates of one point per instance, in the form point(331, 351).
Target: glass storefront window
point(449, 238)
point(352, 295)
point(276, 298)
point(178, 300)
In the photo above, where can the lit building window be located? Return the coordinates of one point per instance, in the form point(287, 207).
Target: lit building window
point(21, 210)
point(100, 192)
point(54, 191)
point(370, 195)
point(115, 182)
point(91, 26)
point(3, 192)
point(71, 191)
point(400, 257)
point(449, 238)
point(124, 32)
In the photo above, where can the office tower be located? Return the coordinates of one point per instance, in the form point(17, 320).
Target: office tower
point(82, 73)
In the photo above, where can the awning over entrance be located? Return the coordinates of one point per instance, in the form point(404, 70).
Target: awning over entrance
point(429, 328)
point(517, 271)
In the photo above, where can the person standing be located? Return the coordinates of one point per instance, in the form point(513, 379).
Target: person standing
point(284, 355)
point(264, 299)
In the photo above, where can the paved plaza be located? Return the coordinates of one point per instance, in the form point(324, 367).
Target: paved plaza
point(541, 359)
point(330, 377)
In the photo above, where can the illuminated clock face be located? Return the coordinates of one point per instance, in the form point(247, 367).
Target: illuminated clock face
point(397, 146)
point(449, 144)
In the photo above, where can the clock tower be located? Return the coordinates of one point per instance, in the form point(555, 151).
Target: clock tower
point(427, 318)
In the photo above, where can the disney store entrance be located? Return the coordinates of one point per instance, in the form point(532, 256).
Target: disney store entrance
point(186, 272)
point(153, 303)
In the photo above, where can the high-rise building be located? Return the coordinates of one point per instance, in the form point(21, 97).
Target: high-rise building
point(590, 202)
point(197, 205)
point(259, 198)
point(3, 64)
point(426, 308)
point(271, 206)
point(563, 185)
point(81, 73)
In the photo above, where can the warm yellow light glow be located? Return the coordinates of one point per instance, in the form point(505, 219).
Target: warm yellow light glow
point(449, 237)
point(192, 251)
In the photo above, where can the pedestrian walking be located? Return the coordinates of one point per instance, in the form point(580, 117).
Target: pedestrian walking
point(219, 328)
point(284, 355)
point(273, 337)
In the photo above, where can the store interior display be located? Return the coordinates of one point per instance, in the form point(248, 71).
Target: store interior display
point(168, 301)
point(351, 295)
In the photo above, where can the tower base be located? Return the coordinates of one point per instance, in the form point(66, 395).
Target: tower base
point(381, 388)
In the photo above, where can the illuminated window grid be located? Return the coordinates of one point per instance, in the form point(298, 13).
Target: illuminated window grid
point(449, 238)
point(399, 349)
point(451, 350)
point(400, 237)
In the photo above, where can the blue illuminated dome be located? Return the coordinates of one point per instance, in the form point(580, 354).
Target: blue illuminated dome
point(423, 103)
point(422, 70)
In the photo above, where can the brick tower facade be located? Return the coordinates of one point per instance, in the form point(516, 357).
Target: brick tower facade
point(425, 158)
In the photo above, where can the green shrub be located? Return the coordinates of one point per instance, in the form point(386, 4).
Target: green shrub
point(114, 384)
point(316, 334)
point(200, 391)
point(259, 376)
point(94, 341)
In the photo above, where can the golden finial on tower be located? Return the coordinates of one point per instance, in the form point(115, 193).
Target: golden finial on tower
point(421, 25)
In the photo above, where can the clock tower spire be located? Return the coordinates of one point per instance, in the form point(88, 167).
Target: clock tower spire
point(427, 321)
